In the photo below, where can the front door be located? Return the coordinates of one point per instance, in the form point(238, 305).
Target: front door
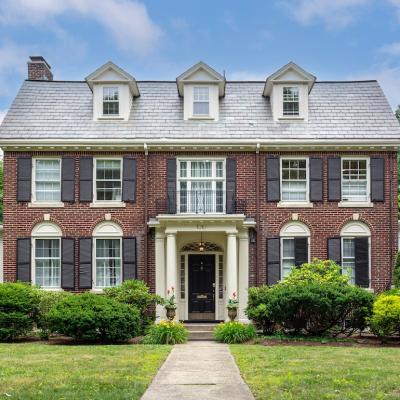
point(201, 287)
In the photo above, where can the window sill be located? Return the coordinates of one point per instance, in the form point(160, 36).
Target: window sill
point(295, 204)
point(199, 118)
point(355, 204)
point(289, 118)
point(105, 118)
point(108, 204)
point(45, 204)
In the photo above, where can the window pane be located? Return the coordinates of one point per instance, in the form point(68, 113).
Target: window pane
point(354, 180)
point(110, 101)
point(294, 180)
point(201, 108)
point(220, 169)
point(108, 262)
point(183, 169)
point(349, 260)
point(288, 258)
point(182, 276)
point(108, 180)
point(47, 263)
point(290, 101)
point(47, 180)
point(201, 101)
point(201, 169)
point(221, 277)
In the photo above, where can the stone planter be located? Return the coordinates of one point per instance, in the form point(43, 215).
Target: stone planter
point(171, 313)
point(232, 313)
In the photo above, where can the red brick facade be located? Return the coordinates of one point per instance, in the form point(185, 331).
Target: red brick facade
point(324, 220)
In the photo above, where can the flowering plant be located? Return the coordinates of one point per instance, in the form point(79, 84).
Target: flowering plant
point(169, 302)
point(233, 301)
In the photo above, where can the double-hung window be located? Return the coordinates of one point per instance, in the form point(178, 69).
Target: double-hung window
point(201, 185)
point(108, 182)
point(110, 100)
point(294, 179)
point(291, 101)
point(288, 256)
point(47, 180)
point(47, 259)
point(108, 262)
point(349, 258)
point(201, 101)
point(355, 177)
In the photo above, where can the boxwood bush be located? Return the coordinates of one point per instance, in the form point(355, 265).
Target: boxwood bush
point(234, 332)
point(385, 320)
point(18, 307)
point(137, 294)
point(94, 317)
point(314, 300)
point(166, 332)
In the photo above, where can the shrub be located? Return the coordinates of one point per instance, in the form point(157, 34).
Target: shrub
point(46, 301)
point(385, 318)
point(317, 271)
point(257, 309)
point(94, 317)
point(137, 294)
point(396, 272)
point(166, 332)
point(234, 332)
point(18, 305)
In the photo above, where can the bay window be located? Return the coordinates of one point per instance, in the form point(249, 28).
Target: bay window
point(201, 186)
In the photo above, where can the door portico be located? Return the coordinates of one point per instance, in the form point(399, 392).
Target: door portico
point(230, 273)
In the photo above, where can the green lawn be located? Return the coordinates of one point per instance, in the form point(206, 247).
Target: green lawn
point(301, 372)
point(41, 371)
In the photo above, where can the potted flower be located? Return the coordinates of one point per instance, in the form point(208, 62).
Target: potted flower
point(170, 304)
point(232, 306)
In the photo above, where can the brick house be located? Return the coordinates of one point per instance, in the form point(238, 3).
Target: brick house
point(202, 184)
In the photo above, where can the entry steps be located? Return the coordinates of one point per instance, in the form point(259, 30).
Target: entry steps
point(200, 330)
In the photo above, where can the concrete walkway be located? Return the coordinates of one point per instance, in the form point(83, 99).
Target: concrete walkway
point(198, 370)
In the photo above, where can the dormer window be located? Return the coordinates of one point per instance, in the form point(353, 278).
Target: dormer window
point(201, 101)
point(290, 101)
point(110, 101)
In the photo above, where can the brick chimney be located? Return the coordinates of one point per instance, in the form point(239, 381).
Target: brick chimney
point(39, 69)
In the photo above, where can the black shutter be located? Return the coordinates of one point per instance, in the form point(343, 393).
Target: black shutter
point(231, 185)
point(67, 263)
point(335, 250)
point(273, 260)
point(273, 178)
point(68, 179)
point(377, 179)
point(129, 180)
point(129, 258)
point(85, 263)
point(300, 251)
point(171, 185)
point(24, 178)
point(24, 259)
point(334, 178)
point(86, 179)
point(316, 179)
point(362, 261)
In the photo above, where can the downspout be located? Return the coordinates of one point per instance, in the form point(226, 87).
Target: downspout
point(257, 209)
point(391, 216)
point(146, 154)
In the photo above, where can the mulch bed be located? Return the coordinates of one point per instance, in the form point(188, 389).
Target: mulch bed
point(65, 340)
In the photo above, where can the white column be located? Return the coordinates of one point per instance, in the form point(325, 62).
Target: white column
point(243, 273)
point(160, 272)
point(231, 266)
point(171, 278)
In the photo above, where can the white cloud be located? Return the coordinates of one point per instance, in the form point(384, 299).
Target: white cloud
point(392, 49)
point(335, 14)
point(127, 21)
point(245, 76)
point(396, 3)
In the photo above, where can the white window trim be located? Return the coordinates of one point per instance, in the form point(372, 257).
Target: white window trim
point(111, 237)
point(285, 233)
point(295, 203)
point(110, 116)
point(295, 116)
point(49, 231)
point(364, 232)
point(44, 203)
point(201, 116)
point(213, 179)
point(106, 203)
point(350, 203)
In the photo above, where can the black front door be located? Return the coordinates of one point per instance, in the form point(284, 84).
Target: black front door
point(201, 287)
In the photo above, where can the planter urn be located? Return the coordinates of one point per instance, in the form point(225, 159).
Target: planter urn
point(171, 313)
point(232, 313)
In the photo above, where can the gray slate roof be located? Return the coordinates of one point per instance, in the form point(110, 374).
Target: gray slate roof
point(63, 110)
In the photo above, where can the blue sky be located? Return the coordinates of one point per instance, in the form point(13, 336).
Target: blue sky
point(159, 39)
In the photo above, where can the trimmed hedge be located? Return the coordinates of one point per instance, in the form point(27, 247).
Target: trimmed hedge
point(94, 317)
point(18, 307)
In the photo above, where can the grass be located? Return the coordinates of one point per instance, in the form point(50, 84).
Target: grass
point(40, 371)
point(301, 372)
